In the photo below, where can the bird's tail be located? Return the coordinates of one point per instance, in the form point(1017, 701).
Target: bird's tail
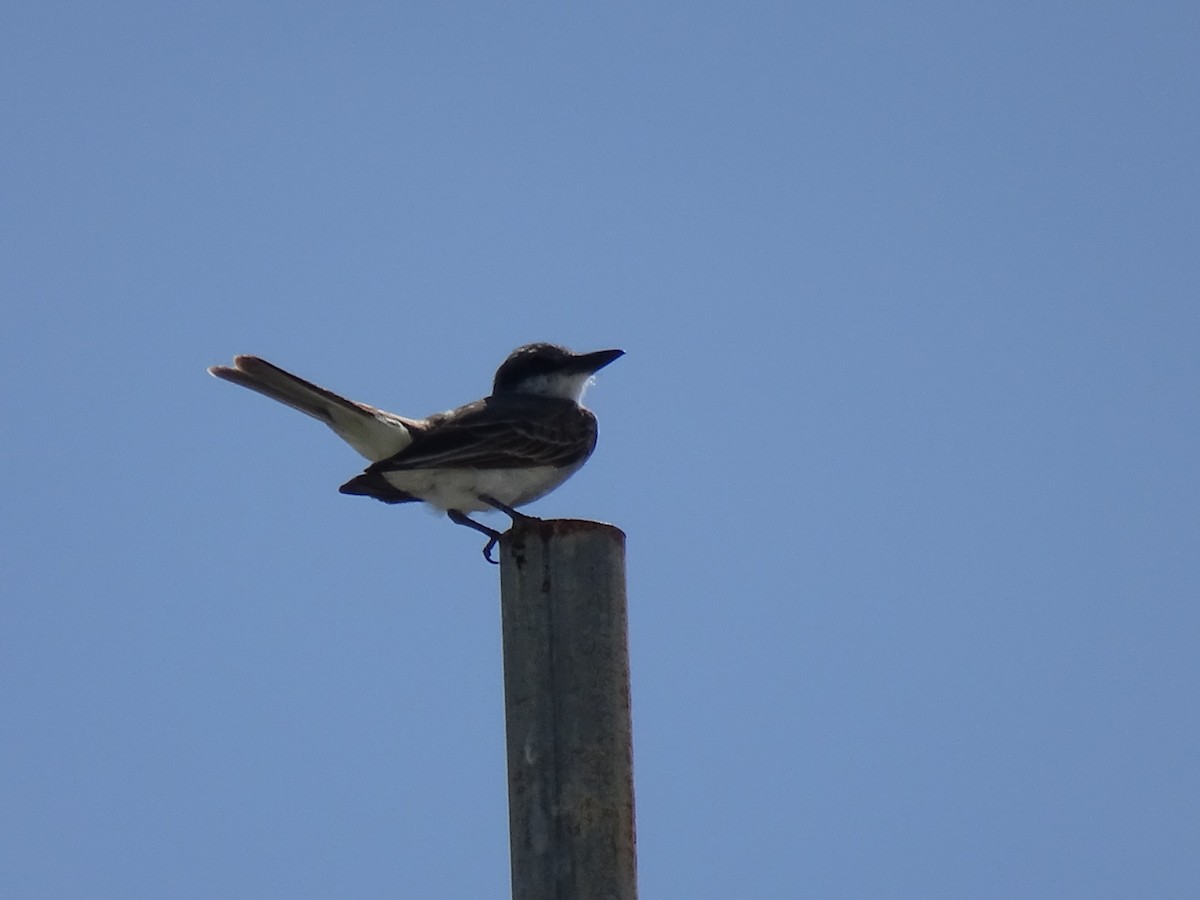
point(374, 433)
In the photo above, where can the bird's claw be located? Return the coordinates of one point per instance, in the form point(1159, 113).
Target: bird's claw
point(487, 550)
point(460, 518)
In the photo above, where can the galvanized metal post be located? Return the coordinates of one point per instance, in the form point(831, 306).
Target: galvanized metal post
point(566, 699)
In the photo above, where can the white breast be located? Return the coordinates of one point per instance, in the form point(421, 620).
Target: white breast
point(461, 488)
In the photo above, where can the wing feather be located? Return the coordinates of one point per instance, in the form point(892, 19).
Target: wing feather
point(500, 433)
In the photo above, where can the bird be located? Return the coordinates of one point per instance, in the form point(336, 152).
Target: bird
point(500, 452)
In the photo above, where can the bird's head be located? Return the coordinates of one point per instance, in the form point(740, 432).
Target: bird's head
point(548, 370)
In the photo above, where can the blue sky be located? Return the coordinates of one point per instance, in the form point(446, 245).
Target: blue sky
point(905, 442)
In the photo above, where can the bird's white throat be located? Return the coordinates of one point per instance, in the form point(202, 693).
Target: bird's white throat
point(567, 386)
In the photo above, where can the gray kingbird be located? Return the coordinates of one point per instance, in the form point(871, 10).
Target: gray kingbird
point(508, 449)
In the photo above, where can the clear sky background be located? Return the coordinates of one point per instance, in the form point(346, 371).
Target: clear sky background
point(905, 442)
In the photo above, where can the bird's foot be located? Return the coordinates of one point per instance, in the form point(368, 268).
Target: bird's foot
point(461, 518)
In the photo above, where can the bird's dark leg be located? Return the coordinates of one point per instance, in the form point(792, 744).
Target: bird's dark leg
point(458, 517)
point(461, 518)
point(507, 510)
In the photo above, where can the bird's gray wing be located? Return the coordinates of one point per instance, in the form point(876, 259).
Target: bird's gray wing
point(506, 433)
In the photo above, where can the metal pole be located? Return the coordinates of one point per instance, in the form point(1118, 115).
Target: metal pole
point(566, 701)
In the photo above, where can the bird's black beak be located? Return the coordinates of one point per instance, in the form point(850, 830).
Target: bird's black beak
point(597, 360)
